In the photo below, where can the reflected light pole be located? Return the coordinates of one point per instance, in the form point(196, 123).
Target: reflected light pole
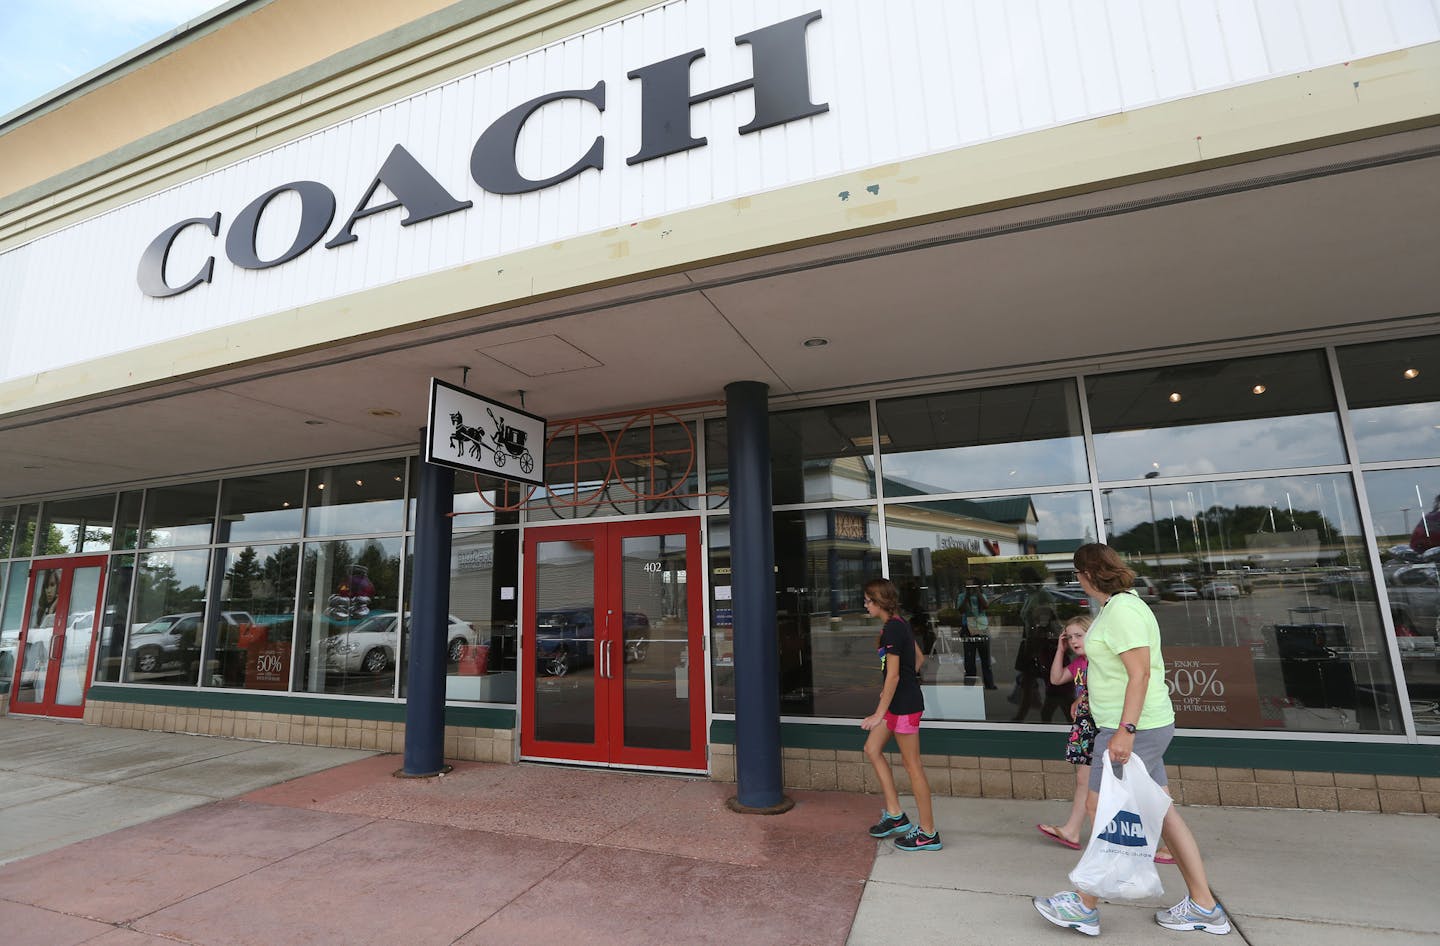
point(1154, 527)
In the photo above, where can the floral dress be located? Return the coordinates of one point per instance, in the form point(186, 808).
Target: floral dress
point(1082, 733)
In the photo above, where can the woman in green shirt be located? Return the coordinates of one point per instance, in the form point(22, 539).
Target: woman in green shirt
point(1131, 706)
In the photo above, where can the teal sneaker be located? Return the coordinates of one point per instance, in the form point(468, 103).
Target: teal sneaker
point(917, 840)
point(1186, 917)
point(890, 824)
point(1068, 910)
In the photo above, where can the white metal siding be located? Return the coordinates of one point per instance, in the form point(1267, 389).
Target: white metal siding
point(903, 78)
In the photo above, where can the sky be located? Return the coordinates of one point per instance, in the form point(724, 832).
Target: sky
point(48, 43)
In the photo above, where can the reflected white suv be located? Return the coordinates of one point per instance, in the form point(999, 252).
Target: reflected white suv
point(371, 645)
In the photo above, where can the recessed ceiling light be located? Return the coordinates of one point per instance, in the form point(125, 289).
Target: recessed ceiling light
point(314, 423)
point(320, 486)
point(1411, 373)
point(383, 412)
point(816, 342)
point(285, 505)
point(1175, 397)
point(1259, 389)
point(359, 482)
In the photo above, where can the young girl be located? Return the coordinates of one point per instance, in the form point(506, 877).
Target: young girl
point(898, 712)
point(1082, 731)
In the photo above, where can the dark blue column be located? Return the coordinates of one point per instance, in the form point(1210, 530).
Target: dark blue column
point(759, 777)
point(430, 609)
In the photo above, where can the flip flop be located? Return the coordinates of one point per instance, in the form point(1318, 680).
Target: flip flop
point(1053, 835)
point(1163, 858)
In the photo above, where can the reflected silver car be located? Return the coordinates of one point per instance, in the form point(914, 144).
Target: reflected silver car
point(371, 645)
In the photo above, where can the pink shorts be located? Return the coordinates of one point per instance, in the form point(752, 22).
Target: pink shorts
point(904, 725)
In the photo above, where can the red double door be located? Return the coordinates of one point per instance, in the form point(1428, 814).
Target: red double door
point(55, 654)
point(613, 655)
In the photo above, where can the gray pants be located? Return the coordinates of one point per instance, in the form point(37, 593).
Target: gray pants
point(1150, 745)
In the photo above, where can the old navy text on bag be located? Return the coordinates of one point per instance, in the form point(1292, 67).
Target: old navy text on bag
point(1119, 862)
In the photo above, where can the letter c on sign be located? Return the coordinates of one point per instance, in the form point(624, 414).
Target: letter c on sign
point(317, 210)
point(151, 275)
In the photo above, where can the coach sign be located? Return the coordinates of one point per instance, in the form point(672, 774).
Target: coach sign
point(472, 433)
point(781, 85)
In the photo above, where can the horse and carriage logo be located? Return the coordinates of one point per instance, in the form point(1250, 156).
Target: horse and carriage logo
point(503, 442)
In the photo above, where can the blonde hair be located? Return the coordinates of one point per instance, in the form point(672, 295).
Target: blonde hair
point(1082, 621)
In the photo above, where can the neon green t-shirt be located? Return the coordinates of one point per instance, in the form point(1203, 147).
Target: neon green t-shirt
point(1124, 623)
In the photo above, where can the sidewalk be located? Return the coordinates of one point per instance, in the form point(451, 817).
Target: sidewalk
point(543, 854)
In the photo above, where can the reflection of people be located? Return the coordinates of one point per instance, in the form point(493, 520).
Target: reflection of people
point(1082, 732)
point(1039, 639)
point(898, 711)
point(975, 631)
point(1125, 683)
point(1427, 531)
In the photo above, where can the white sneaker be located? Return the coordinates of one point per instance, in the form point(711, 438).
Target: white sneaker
point(1068, 910)
point(1186, 917)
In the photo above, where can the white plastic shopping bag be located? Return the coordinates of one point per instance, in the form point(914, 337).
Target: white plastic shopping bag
point(1119, 863)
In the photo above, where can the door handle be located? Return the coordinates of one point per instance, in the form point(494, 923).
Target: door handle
point(607, 661)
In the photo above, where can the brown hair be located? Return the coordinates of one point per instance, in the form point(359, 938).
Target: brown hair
point(882, 591)
point(1102, 565)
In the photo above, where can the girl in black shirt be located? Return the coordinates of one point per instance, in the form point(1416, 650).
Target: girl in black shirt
point(898, 712)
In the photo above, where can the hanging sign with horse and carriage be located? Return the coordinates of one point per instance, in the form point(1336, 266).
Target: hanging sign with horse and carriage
point(472, 433)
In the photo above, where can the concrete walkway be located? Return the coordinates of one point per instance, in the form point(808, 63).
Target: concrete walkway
point(542, 854)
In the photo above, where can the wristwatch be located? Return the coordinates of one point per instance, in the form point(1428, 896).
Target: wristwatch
point(1128, 727)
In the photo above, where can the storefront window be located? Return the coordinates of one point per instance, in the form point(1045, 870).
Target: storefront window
point(1393, 392)
point(481, 630)
point(986, 584)
point(252, 629)
point(168, 617)
point(1405, 510)
point(1020, 435)
point(823, 558)
point(348, 632)
point(819, 454)
point(68, 526)
point(12, 619)
point(357, 499)
point(1268, 413)
point(637, 470)
point(127, 520)
point(1266, 602)
point(25, 520)
point(7, 529)
point(110, 647)
point(260, 508)
point(179, 515)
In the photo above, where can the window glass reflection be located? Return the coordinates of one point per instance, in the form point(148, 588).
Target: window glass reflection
point(25, 521)
point(7, 529)
point(593, 473)
point(1265, 600)
point(12, 619)
point(251, 632)
point(992, 438)
point(69, 526)
point(827, 654)
point(167, 618)
point(179, 515)
point(480, 636)
point(1266, 413)
point(357, 499)
point(1393, 392)
point(348, 632)
point(987, 585)
point(110, 648)
point(127, 520)
point(1405, 510)
point(256, 508)
point(819, 454)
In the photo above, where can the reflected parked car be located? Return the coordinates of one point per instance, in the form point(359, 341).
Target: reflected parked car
point(371, 645)
point(1414, 592)
point(565, 638)
point(173, 640)
point(1146, 588)
point(1219, 590)
point(1179, 591)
